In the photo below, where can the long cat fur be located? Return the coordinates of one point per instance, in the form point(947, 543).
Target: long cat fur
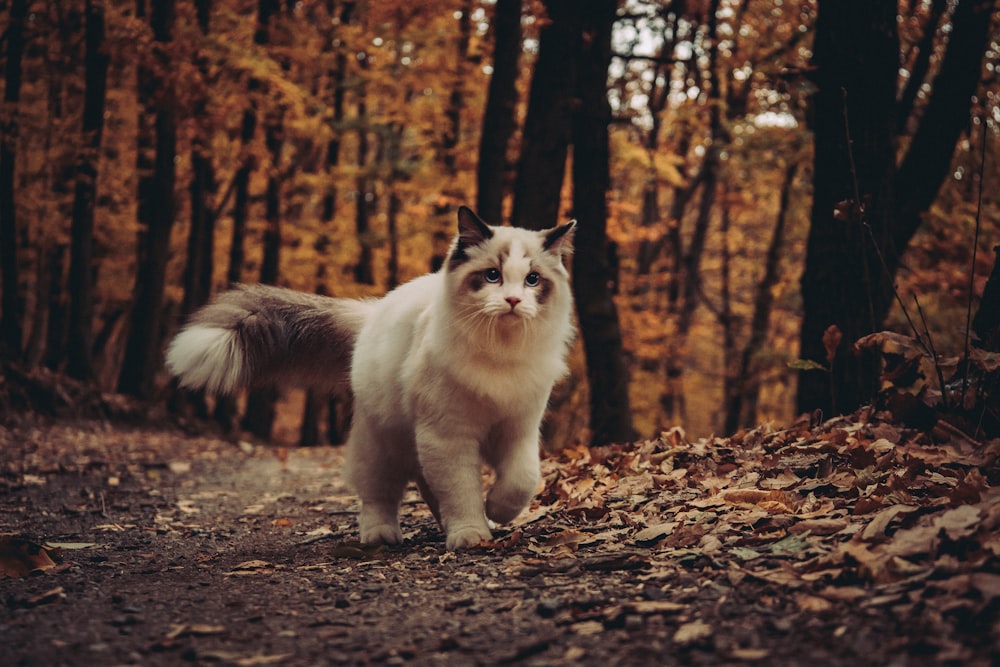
point(448, 371)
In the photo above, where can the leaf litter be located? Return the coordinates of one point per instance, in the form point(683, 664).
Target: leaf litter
point(853, 540)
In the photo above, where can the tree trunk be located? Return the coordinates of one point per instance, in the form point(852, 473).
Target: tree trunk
point(142, 351)
point(453, 112)
point(684, 288)
point(260, 412)
point(856, 56)
point(610, 414)
point(545, 138)
point(365, 202)
point(927, 163)
point(81, 335)
point(11, 304)
point(499, 116)
point(741, 409)
point(225, 406)
point(201, 235)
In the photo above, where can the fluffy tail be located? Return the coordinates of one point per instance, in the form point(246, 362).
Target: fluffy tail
point(256, 334)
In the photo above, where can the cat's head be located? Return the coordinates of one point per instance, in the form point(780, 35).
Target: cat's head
point(508, 275)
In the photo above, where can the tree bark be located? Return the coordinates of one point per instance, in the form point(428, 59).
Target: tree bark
point(365, 202)
point(201, 234)
point(498, 117)
point(927, 162)
point(545, 138)
point(610, 412)
point(260, 411)
point(856, 55)
point(142, 351)
point(81, 336)
point(742, 407)
point(11, 303)
point(453, 112)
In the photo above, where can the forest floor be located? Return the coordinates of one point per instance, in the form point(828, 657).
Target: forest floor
point(853, 542)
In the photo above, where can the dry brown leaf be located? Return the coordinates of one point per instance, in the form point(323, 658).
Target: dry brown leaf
point(646, 607)
point(774, 502)
point(693, 632)
point(959, 522)
point(19, 557)
point(818, 526)
point(880, 522)
point(655, 532)
point(57, 594)
point(812, 603)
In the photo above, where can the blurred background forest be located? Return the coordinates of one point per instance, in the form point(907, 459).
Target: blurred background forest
point(745, 174)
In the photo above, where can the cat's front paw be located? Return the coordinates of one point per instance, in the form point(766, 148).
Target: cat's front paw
point(503, 504)
point(467, 536)
point(383, 533)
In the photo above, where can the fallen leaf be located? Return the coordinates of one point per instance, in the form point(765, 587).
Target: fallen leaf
point(818, 526)
point(693, 632)
point(959, 522)
point(69, 546)
point(880, 522)
point(646, 607)
point(57, 594)
point(655, 533)
point(19, 557)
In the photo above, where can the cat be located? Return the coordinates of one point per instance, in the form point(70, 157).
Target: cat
point(448, 371)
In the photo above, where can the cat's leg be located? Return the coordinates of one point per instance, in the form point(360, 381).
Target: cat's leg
point(515, 459)
point(429, 498)
point(450, 467)
point(379, 478)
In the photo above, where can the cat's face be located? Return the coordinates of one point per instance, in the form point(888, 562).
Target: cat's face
point(506, 276)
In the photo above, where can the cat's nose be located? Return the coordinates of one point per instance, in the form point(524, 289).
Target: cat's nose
point(513, 301)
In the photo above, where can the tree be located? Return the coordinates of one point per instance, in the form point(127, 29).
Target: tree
point(545, 137)
point(865, 211)
point(81, 336)
point(142, 350)
point(259, 415)
point(10, 298)
point(568, 104)
point(610, 414)
point(499, 116)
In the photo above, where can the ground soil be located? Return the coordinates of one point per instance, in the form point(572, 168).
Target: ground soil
point(170, 547)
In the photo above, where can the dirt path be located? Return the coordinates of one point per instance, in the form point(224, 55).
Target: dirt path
point(177, 549)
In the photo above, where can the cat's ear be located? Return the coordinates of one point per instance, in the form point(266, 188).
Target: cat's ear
point(471, 229)
point(560, 239)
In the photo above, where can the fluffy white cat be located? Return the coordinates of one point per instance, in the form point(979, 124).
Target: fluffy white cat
point(448, 371)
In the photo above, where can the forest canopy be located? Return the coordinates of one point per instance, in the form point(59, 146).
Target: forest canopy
point(746, 173)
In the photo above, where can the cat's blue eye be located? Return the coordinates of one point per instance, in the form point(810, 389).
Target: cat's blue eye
point(532, 279)
point(492, 275)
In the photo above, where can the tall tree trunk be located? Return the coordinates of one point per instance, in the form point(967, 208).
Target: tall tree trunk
point(225, 406)
point(610, 413)
point(453, 112)
point(309, 430)
point(81, 335)
point(499, 116)
point(684, 289)
point(365, 202)
point(142, 351)
point(927, 162)
point(545, 138)
point(855, 57)
point(11, 303)
point(260, 412)
point(201, 234)
point(741, 409)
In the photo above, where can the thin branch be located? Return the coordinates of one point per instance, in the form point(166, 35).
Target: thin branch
point(934, 355)
point(975, 248)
